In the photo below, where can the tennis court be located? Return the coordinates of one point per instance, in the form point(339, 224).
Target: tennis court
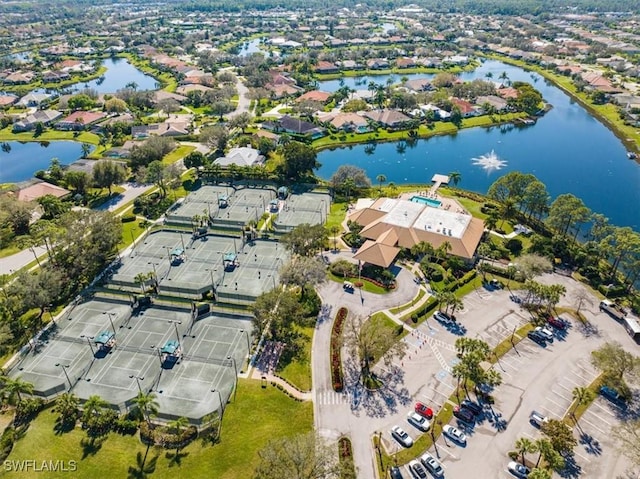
point(310, 207)
point(203, 201)
point(213, 349)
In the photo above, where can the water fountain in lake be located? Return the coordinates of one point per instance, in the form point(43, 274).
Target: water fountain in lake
point(489, 161)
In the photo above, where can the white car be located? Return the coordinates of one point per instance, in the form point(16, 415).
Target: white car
point(538, 419)
point(432, 465)
point(443, 318)
point(518, 470)
point(547, 334)
point(401, 436)
point(454, 433)
point(418, 421)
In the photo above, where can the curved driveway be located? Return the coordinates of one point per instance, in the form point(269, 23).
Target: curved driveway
point(339, 413)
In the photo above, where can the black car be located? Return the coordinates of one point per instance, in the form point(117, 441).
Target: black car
point(472, 406)
point(463, 414)
point(537, 337)
point(395, 473)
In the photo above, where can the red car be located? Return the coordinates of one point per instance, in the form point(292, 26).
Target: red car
point(556, 322)
point(424, 410)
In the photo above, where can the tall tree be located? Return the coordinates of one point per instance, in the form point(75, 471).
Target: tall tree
point(13, 389)
point(524, 446)
point(369, 341)
point(560, 436)
point(303, 271)
point(146, 405)
point(380, 179)
point(455, 177)
point(581, 396)
point(567, 213)
point(305, 239)
point(107, 173)
point(305, 456)
point(299, 160)
point(627, 434)
point(358, 177)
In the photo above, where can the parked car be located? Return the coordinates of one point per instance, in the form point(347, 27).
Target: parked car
point(518, 469)
point(432, 465)
point(472, 406)
point(423, 410)
point(463, 414)
point(611, 394)
point(401, 436)
point(455, 434)
point(547, 333)
point(418, 421)
point(535, 336)
point(538, 419)
point(394, 473)
point(557, 323)
point(443, 318)
point(495, 284)
point(417, 470)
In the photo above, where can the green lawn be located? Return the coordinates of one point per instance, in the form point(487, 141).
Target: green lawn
point(367, 285)
point(49, 135)
point(410, 304)
point(257, 416)
point(336, 215)
point(298, 371)
point(177, 154)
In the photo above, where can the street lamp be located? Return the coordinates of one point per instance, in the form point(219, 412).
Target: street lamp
point(111, 321)
point(89, 338)
point(235, 367)
point(138, 379)
point(64, 370)
point(242, 331)
point(213, 287)
point(221, 411)
point(153, 346)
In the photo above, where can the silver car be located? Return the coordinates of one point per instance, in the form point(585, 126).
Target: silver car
point(401, 436)
point(418, 421)
point(432, 465)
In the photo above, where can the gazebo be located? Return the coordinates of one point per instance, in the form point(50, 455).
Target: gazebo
point(283, 192)
point(177, 255)
point(171, 351)
point(105, 340)
point(229, 261)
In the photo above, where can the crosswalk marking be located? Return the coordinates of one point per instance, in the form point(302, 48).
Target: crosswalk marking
point(332, 397)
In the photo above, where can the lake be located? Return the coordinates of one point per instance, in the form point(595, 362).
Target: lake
point(119, 73)
point(24, 159)
point(567, 149)
point(250, 47)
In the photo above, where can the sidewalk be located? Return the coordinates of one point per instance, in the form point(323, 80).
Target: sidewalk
point(259, 375)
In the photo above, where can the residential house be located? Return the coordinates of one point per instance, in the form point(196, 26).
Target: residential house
point(295, 126)
point(172, 128)
point(377, 64)
point(596, 81)
point(185, 89)
point(40, 189)
point(51, 76)
point(467, 109)
point(507, 92)
point(19, 78)
point(160, 95)
point(28, 123)
point(351, 122)
point(31, 100)
point(326, 67)
point(243, 156)
point(405, 63)
point(80, 120)
point(497, 103)
point(314, 95)
point(348, 65)
point(6, 100)
point(418, 85)
point(388, 118)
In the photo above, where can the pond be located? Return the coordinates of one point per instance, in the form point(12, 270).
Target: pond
point(119, 74)
point(250, 47)
point(19, 161)
point(567, 149)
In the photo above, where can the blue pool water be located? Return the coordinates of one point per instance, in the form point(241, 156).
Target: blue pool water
point(426, 201)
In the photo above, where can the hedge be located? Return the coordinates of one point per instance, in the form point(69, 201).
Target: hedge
point(337, 377)
point(345, 454)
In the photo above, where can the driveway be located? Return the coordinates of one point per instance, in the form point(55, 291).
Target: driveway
point(243, 100)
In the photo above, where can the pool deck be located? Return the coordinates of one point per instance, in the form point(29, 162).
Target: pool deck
point(448, 204)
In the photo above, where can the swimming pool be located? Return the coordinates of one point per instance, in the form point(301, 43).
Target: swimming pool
point(426, 201)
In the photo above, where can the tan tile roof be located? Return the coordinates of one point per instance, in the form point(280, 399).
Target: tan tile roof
point(377, 253)
point(38, 190)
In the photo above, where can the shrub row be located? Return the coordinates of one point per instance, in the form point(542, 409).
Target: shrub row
point(336, 342)
point(432, 303)
point(161, 436)
point(345, 454)
point(286, 391)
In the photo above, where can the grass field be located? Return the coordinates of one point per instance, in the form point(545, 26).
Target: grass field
point(298, 371)
point(257, 416)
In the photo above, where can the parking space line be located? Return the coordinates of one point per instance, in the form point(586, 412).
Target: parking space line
point(595, 403)
point(559, 405)
point(440, 448)
point(593, 425)
point(583, 457)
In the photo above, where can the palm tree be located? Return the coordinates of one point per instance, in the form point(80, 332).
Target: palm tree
point(581, 396)
point(455, 303)
point(67, 407)
point(141, 278)
point(13, 389)
point(86, 149)
point(92, 407)
point(381, 179)
point(455, 177)
point(524, 446)
point(491, 221)
point(179, 424)
point(348, 185)
point(505, 77)
point(147, 405)
point(335, 229)
point(488, 75)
